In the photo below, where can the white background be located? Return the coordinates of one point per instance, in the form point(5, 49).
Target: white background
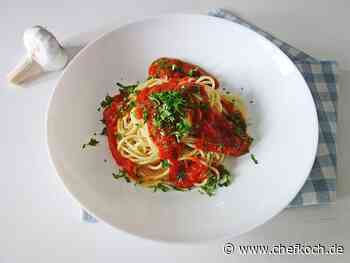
point(40, 222)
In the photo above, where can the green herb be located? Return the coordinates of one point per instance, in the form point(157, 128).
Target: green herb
point(252, 156)
point(126, 89)
point(170, 103)
point(214, 182)
point(106, 102)
point(225, 178)
point(193, 72)
point(145, 115)
point(171, 112)
point(92, 142)
point(138, 125)
point(161, 187)
point(104, 131)
point(119, 136)
point(182, 129)
point(99, 109)
point(165, 164)
point(176, 68)
point(121, 174)
point(181, 175)
point(204, 106)
point(238, 120)
point(131, 104)
point(210, 186)
point(162, 62)
point(238, 131)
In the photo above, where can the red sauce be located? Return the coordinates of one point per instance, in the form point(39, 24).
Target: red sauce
point(110, 117)
point(172, 68)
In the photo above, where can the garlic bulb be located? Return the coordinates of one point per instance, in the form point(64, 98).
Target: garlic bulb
point(44, 54)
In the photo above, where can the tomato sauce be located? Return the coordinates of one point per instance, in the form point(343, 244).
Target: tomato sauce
point(110, 117)
point(171, 68)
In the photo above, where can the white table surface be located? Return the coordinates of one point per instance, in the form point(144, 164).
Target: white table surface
point(40, 222)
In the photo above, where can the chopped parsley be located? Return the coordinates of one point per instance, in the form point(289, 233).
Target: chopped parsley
point(176, 68)
point(119, 136)
point(181, 175)
point(92, 142)
point(161, 187)
point(104, 131)
point(204, 106)
point(106, 102)
point(182, 129)
point(145, 115)
point(126, 89)
point(239, 131)
point(131, 104)
point(171, 112)
point(252, 156)
point(121, 174)
point(214, 182)
point(165, 164)
point(193, 72)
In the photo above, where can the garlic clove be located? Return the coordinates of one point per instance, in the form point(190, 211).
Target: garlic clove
point(44, 54)
point(28, 69)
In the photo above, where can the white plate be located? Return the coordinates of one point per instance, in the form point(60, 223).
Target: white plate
point(284, 124)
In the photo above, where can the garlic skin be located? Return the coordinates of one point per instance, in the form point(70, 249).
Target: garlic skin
point(44, 54)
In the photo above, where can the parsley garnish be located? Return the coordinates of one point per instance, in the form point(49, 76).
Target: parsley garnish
point(121, 174)
point(165, 164)
point(182, 129)
point(119, 136)
point(252, 156)
point(92, 142)
point(214, 182)
point(126, 89)
point(106, 102)
point(161, 187)
point(176, 68)
point(104, 131)
point(145, 115)
point(193, 72)
point(171, 112)
point(181, 175)
point(131, 104)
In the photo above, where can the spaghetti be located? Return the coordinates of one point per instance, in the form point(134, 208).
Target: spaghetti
point(174, 130)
